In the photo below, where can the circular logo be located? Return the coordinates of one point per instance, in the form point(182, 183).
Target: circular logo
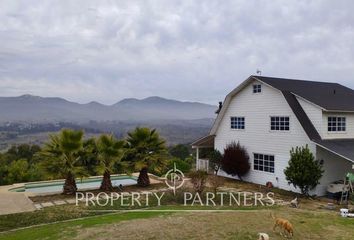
point(174, 178)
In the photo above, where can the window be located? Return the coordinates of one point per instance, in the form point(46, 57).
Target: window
point(263, 162)
point(257, 88)
point(279, 123)
point(336, 124)
point(237, 123)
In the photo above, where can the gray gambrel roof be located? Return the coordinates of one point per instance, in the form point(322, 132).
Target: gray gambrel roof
point(328, 96)
point(341, 147)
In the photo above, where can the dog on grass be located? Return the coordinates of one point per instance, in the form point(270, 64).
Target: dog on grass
point(263, 236)
point(294, 203)
point(285, 226)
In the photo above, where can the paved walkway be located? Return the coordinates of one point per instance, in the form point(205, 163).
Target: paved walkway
point(15, 203)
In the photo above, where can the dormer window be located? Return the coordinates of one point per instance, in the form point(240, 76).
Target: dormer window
point(257, 88)
point(336, 124)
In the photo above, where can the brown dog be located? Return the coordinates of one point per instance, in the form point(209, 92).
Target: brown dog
point(284, 225)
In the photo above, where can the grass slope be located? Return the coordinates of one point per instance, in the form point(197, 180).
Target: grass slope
point(243, 224)
point(68, 229)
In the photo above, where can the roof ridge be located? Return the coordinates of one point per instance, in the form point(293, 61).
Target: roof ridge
point(293, 79)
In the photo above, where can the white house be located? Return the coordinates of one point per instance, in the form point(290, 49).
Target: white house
point(269, 116)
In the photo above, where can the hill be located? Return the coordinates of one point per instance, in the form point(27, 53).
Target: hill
point(29, 108)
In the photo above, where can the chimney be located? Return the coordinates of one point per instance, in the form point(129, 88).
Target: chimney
point(219, 109)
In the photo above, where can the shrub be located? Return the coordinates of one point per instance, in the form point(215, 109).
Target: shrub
point(215, 159)
point(179, 151)
point(235, 160)
point(198, 180)
point(303, 170)
point(181, 165)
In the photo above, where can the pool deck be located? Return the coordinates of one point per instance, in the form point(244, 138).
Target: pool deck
point(11, 202)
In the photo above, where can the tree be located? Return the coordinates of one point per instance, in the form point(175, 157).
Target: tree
point(215, 159)
point(18, 171)
point(88, 156)
point(62, 157)
point(110, 151)
point(22, 151)
point(20, 164)
point(303, 171)
point(180, 151)
point(3, 170)
point(235, 160)
point(21, 171)
point(147, 151)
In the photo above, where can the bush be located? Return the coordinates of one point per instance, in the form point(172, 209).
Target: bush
point(215, 159)
point(180, 151)
point(235, 160)
point(181, 165)
point(303, 170)
point(198, 179)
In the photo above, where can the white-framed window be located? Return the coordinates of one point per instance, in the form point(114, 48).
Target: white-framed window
point(257, 88)
point(336, 124)
point(263, 162)
point(237, 122)
point(279, 123)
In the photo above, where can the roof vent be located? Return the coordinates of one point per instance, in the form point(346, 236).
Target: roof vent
point(334, 91)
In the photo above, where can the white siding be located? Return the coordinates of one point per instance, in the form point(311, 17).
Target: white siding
point(314, 113)
point(335, 135)
point(257, 137)
point(335, 168)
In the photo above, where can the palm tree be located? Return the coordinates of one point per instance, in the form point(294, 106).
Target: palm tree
point(61, 155)
point(110, 151)
point(88, 156)
point(146, 151)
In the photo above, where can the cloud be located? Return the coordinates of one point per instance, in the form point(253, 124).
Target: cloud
point(188, 50)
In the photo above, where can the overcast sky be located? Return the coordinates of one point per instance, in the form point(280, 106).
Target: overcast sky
point(186, 50)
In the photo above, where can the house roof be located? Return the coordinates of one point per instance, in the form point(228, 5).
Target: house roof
point(341, 147)
point(329, 96)
point(301, 115)
point(207, 141)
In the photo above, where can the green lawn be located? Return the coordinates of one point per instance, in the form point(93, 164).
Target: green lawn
point(242, 224)
point(67, 229)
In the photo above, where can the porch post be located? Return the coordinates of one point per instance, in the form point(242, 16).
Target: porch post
point(197, 158)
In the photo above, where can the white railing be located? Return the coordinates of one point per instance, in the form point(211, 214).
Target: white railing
point(203, 164)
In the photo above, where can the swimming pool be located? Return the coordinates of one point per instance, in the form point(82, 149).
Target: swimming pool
point(84, 184)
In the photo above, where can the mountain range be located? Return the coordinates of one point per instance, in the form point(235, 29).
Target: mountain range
point(29, 108)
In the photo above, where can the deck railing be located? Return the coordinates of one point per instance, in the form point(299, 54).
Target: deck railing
point(203, 164)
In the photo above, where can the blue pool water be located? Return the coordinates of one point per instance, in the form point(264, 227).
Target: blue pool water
point(85, 184)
